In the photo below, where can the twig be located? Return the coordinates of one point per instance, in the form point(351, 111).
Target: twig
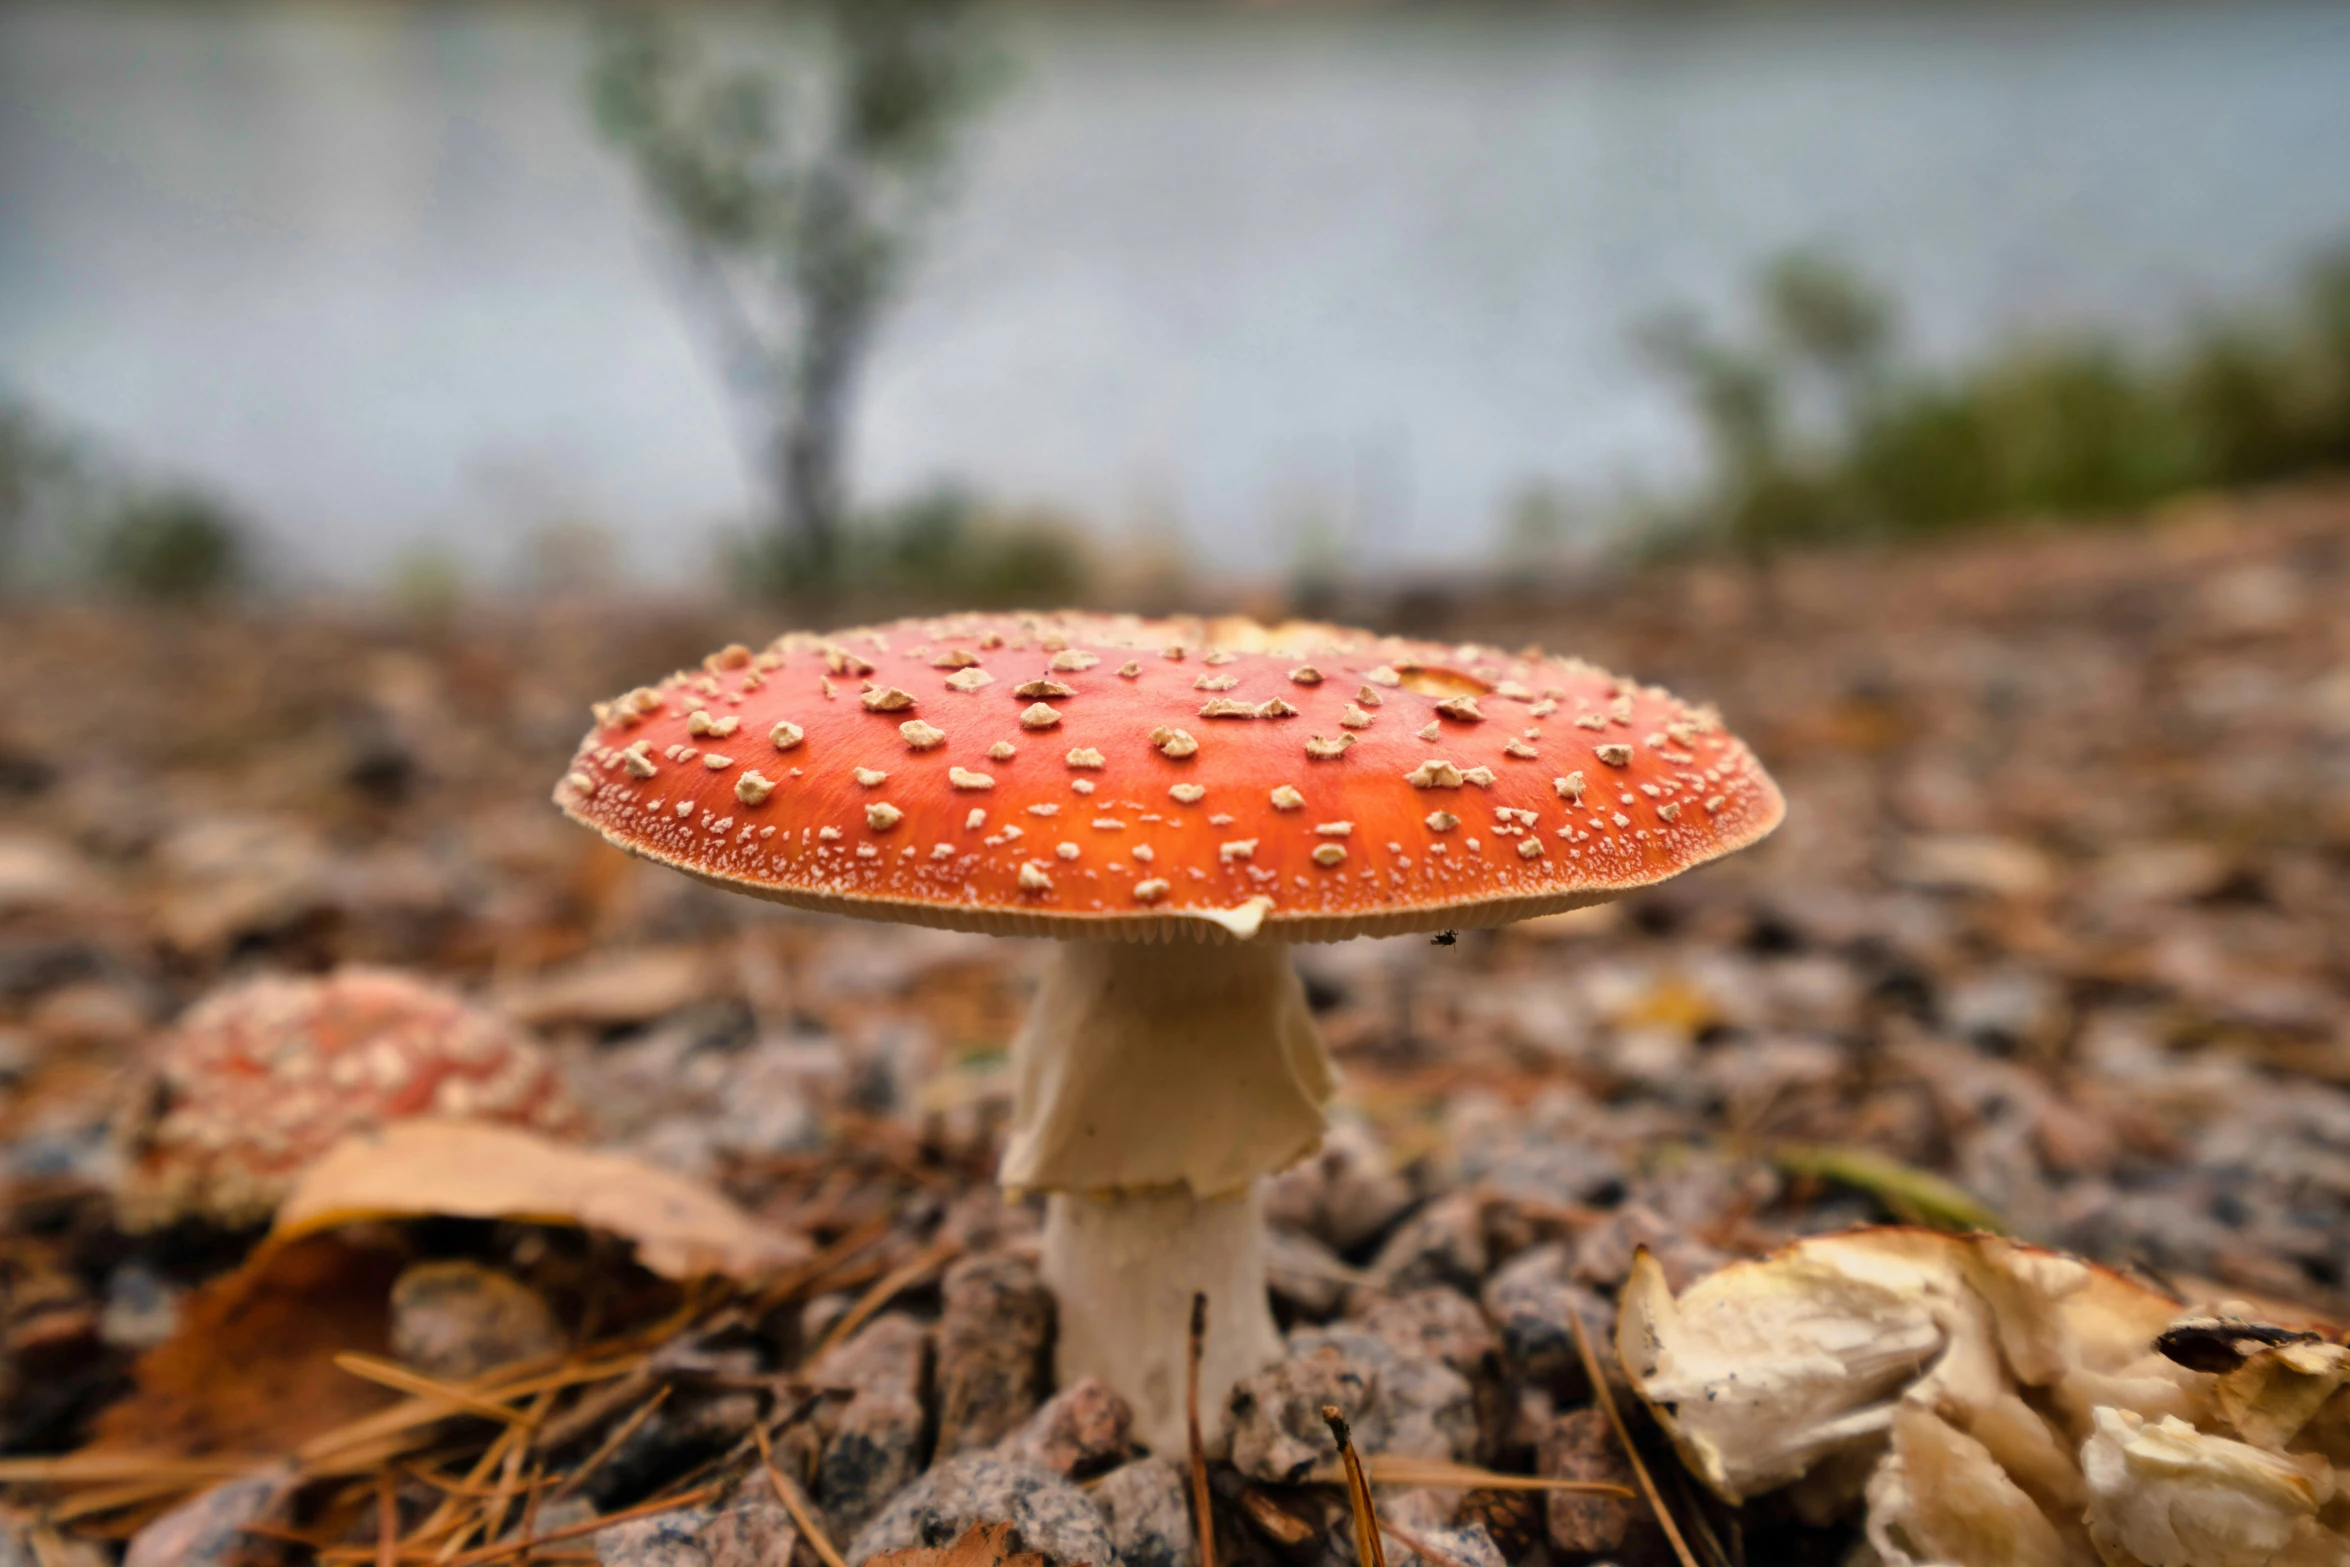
point(1607, 1405)
point(1195, 1350)
point(794, 1503)
point(1370, 1550)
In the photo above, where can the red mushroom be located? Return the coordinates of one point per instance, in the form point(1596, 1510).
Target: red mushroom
point(1192, 798)
point(258, 1081)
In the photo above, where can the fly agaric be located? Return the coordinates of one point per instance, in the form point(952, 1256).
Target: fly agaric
point(1179, 801)
point(257, 1081)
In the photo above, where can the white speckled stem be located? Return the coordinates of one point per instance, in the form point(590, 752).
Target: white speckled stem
point(1123, 1270)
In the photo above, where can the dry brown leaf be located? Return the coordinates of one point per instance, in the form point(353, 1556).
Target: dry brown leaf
point(982, 1545)
point(619, 988)
point(418, 1169)
point(252, 1367)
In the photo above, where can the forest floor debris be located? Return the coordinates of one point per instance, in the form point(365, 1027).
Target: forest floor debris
point(2055, 941)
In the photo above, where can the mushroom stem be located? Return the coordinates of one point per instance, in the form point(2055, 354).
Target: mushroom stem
point(1124, 1268)
point(1154, 1084)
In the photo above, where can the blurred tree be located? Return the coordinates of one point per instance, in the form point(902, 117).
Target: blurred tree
point(44, 489)
point(2055, 427)
point(944, 546)
point(173, 545)
point(1831, 319)
point(794, 204)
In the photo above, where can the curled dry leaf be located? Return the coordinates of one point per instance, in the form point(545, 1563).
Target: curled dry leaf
point(418, 1169)
point(2020, 1408)
point(252, 1367)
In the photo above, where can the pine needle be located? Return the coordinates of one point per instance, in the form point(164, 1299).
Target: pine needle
point(1389, 1469)
point(795, 1504)
point(887, 1287)
point(513, 1548)
point(1195, 1349)
point(385, 1373)
point(1422, 1548)
point(612, 1443)
point(1607, 1405)
point(387, 1520)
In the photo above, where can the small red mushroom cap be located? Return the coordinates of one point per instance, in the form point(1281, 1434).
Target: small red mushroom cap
point(257, 1081)
point(1084, 775)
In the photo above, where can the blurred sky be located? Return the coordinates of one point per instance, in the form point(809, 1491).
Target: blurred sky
point(364, 266)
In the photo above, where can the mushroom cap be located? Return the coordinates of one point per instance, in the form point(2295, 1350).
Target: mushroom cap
point(258, 1080)
point(1087, 775)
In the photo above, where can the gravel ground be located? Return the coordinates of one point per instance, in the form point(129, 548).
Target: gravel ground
point(2056, 936)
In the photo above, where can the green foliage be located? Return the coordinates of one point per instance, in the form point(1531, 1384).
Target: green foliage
point(173, 546)
point(941, 547)
point(70, 512)
point(45, 490)
point(794, 202)
point(2071, 427)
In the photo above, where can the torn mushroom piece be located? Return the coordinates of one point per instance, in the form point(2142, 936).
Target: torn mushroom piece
point(2006, 1405)
point(258, 1081)
point(1169, 1063)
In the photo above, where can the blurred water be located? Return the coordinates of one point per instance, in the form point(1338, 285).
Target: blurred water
point(364, 266)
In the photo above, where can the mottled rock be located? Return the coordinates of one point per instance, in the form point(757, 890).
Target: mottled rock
point(1603, 1253)
point(208, 1530)
point(1580, 1446)
point(1466, 1546)
point(1146, 1505)
point(751, 1531)
point(672, 1539)
point(1443, 1243)
point(1436, 1322)
point(456, 1320)
point(1512, 1520)
point(872, 1440)
point(1305, 1275)
point(992, 1338)
point(1532, 1304)
point(1343, 1195)
point(1081, 1430)
point(18, 1548)
point(1048, 1515)
point(1443, 1325)
point(1411, 1406)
